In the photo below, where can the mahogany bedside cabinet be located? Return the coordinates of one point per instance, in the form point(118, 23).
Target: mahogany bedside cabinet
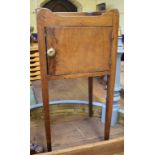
point(74, 45)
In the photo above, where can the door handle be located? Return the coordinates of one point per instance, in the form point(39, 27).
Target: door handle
point(51, 52)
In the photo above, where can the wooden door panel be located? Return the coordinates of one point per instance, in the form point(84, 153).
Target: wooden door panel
point(78, 49)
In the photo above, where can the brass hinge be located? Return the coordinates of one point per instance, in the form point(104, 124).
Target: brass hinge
point(110, 62)
point(112, 35)
point(45, 32)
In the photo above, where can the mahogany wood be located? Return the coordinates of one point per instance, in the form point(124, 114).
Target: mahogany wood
point(78, 75)
point(75, 54)
point(85, 45)
point(111, 77)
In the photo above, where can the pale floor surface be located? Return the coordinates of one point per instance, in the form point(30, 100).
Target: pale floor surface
point(82, 130)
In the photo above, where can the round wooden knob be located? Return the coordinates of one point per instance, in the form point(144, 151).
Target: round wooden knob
point(51, 52)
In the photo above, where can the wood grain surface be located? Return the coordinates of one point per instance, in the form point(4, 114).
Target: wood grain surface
point(99, 148)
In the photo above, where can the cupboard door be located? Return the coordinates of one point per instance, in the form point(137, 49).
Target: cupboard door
point(72, 50)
